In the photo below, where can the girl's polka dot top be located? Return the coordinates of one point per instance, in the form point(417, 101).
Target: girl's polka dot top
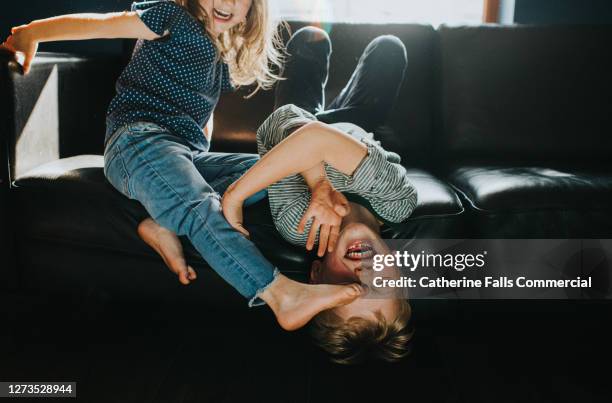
point(174, 81)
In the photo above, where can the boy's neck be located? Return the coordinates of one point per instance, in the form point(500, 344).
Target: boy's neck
point(360, 214)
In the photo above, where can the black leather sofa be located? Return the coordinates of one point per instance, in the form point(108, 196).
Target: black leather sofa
point(506, 133)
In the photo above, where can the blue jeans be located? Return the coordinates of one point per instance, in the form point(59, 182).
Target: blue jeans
point(180, 189)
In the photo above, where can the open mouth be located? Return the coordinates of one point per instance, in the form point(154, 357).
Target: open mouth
point(222, 15)
point(360, 250)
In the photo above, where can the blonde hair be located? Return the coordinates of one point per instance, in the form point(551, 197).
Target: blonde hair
point(356, 339)
point(252, 50)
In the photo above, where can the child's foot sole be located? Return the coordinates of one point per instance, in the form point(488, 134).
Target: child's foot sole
point(301, 307)
point(168, 246)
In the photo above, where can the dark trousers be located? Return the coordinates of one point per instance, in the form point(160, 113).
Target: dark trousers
point(367, 98)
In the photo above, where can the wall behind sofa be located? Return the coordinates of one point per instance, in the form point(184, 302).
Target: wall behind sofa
point(518, 11)
point(563, 11)
point(20, 12)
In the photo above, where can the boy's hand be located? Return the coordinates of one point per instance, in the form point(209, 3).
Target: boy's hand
point(232, 210)
point(22, 46)
point(327, 208)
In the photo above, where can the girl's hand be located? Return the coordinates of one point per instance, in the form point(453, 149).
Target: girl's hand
point(232, 210)
point(22, 46)
point(327, 208)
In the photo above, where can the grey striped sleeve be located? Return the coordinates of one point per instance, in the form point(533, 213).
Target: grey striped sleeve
point(384, 184)
point(289, 198)
point(280, 124)
point(379, 178)
point(290, 203)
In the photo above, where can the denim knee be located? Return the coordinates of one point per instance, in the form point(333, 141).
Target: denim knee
point(183, 214)
point(313, 38)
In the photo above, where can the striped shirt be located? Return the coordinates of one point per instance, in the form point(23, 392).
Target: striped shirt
point(379, 183)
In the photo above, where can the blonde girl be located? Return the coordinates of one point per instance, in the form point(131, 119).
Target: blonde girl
point(156, 145)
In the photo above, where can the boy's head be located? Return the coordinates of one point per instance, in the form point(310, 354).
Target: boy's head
point(357, 338)
point(375, 324)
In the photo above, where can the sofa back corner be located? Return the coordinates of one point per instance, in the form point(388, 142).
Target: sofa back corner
point(528, 93)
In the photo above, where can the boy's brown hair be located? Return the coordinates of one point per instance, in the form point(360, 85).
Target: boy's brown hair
point(354, 340)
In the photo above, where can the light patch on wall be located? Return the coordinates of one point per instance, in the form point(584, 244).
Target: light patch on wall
point(506, 11)
point(434, 12)
point(39, 140)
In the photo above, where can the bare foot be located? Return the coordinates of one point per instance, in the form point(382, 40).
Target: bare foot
point(295, 304)
point(168, 246)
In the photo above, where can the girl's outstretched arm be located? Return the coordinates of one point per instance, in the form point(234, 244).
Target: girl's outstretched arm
point(23, 41)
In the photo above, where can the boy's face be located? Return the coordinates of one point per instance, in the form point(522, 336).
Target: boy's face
point(351, 261)
point(226, 14)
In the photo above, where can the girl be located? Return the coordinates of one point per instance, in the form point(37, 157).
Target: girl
point(156, 147)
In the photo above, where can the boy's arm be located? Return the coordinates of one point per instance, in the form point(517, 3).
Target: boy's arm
point(305, 149)
point(24, 40)
point(326, 209)
point(314, 175)
point(280, 125)
point(327, 206)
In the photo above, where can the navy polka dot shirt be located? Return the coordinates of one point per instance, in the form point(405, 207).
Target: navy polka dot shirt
point(175, 81)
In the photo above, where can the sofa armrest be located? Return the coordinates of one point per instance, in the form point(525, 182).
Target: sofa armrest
point(56, 111)
point(8, 271)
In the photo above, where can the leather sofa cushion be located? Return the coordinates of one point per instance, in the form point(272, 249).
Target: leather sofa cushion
point(435, 197)
point(69, 200)
point(524, 188)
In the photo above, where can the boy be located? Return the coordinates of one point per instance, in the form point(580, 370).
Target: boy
point(311, 168)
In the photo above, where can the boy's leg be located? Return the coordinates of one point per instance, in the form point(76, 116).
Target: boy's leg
point(305, 70)
point(155, 168)
point(372, 90)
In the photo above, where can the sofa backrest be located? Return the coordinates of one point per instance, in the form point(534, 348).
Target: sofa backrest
point(525, 93)
point(493, 94)
point(411, 121)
